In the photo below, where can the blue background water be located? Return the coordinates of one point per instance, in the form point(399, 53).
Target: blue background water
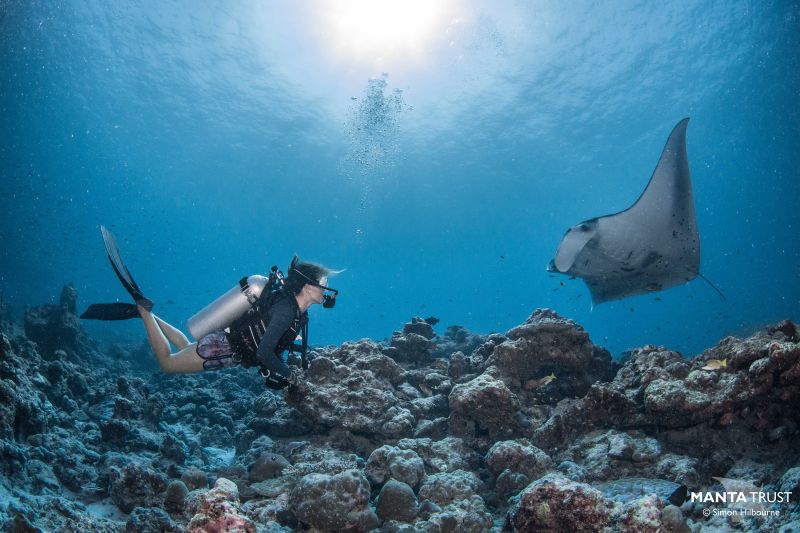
point(216, 139)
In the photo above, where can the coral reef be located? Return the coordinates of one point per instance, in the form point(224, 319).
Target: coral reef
point(536, 429)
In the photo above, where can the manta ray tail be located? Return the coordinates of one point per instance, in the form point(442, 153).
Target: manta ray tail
point(712, 286)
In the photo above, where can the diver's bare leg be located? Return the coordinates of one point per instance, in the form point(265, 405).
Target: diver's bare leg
point(184, 362)
point(174, 335)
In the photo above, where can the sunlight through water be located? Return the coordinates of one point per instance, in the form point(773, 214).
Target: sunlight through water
point(370, 30)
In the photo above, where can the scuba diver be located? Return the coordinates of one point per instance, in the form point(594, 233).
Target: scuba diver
point(250, 325)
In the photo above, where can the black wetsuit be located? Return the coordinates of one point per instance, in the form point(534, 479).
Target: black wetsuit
point(265, 332)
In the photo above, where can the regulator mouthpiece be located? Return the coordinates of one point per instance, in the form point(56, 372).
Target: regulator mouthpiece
point(329, 300)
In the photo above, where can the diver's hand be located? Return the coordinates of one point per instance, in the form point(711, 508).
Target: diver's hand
point(271, 379)
point(274, 380)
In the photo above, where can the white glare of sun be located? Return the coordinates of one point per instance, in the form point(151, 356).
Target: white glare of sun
point(378, 27)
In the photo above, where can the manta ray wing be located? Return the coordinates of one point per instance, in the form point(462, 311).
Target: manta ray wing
point(651, 246)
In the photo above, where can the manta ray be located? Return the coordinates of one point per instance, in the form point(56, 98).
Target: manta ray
point(651, 246)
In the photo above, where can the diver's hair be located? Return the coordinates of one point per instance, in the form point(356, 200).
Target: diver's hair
point(302, 272)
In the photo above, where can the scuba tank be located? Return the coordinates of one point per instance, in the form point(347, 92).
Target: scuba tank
point(223, 311)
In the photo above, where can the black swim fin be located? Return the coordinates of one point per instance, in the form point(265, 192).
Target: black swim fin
point(118, 311)
point(115, 311)
point(122, 271)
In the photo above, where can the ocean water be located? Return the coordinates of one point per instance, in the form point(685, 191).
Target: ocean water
point(436, 152)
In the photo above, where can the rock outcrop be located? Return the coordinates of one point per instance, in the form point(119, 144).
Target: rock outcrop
point(534, 429)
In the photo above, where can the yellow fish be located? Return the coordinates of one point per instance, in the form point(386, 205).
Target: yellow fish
point(534, 383)
point(715, 364)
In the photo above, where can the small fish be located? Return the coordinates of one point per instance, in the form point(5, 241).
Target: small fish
point(535, 383)
point(715, 364)
point(425, 389)
point(548, 379)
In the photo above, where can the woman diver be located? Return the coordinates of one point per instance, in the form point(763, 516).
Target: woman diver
point(250, 325)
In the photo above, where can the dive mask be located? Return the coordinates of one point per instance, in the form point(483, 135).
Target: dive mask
point(329, 295)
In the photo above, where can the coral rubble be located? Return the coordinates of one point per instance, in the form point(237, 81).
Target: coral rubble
point(537, 429)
